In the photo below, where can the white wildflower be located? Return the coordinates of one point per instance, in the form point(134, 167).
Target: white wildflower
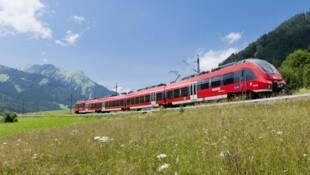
point(19, 140)
point(163, 167)
point(56, 140)
point(224, 153)
point(4, 143)
point(160, 156)
point(97, 137)
point(102, 138)
point(122, 145)
point(34, 156)
point(280, 132)
point(305, 155)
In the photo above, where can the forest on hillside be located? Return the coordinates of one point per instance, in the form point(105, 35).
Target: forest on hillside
point(276, 45)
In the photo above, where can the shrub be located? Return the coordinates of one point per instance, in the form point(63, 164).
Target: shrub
point(296, 70)
point(9, 117)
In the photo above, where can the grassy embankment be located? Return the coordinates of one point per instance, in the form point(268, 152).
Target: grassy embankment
point(250, 139)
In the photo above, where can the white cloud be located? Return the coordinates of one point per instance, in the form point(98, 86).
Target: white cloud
point(212, 58)
point(60, 43)
point(232, 37)
point(69, 39)
point(45, 60)
point(78, 19)
point(21, 16)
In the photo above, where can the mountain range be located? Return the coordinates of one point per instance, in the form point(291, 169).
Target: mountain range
point(45, 87)
point(276, 45)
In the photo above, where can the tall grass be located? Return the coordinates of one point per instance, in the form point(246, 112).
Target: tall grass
point(252, 139)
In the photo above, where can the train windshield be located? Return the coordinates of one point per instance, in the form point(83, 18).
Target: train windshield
point(265, 66)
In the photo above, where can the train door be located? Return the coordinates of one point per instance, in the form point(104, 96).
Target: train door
point(243, 81)
point(153, 98)
point(241, 78)
point(87, 107)
point(193, 91)
point(103, 106)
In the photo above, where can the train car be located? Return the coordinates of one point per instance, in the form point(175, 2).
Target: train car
point(146, 97)
point(251, 78)
point(79, 106)
point(87, 106)
point(113, 103)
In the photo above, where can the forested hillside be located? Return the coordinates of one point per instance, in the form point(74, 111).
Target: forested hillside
point(276, 45)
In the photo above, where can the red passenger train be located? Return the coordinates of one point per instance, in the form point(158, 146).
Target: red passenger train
point(251, 77)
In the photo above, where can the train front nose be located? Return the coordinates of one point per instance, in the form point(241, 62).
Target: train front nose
point(278, 84)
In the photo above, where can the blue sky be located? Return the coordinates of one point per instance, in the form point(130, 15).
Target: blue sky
point(134, 43)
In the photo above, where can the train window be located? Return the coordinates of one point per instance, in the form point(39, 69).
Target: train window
point(237, 76)
point(128, 101)
point(170, 94)
point(132, 101)
point(265, 66)
point(137, 100)
point(228, 78)
point(184, 91)
point(199, 85)
point(147, 98)
point(249, 74)
point(142, 99)
point(176, 93)
point(216, 81)
point(117, 103)
point(204, 84)
point(159, 96)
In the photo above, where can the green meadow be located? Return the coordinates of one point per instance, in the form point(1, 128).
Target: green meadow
point(27, 124)
point(271, 138)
